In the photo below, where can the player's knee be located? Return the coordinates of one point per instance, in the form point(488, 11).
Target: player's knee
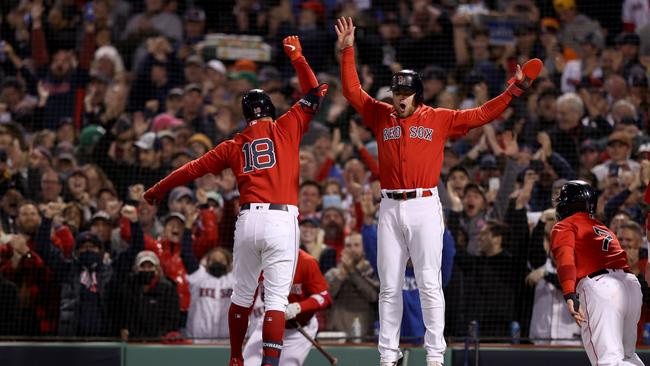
point(429, 281)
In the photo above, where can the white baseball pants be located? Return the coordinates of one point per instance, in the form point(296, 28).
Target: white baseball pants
point(611, 304)
point(295, 347)
point(265, 240)
point(411, 228)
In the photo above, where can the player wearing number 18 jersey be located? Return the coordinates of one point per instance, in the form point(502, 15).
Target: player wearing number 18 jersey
point(602, 295)
point(264, 159)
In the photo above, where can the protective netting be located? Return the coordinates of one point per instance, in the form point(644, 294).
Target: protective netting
point(102, 99)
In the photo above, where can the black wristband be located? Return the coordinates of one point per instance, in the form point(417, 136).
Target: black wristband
point(574, 297)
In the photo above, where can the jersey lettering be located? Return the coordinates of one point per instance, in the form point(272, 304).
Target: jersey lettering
point(207, 292)
point(419, 132)
point(226, 293)
point(392, 133)
point(604, 234)
point(258, 154)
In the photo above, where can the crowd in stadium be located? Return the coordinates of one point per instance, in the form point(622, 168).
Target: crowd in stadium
point(100, 101)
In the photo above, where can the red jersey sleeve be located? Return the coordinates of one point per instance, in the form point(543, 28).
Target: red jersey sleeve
point(295, 122)
point(214, 161)
point(563, 240)
point(306, 76)
point(314, 284)
point(364, 104)
point(459, 122)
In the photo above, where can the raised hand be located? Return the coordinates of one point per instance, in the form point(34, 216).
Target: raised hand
point(345, 32)
point(53, 209)
point(355, 139)
point(130, 213)
point(511, 148)
point(136, 192)
point(524, 77)
point(292, 47)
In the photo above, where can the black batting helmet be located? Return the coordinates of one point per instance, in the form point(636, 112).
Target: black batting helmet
point(408, 80)
point(257, 104)
point(575, 196)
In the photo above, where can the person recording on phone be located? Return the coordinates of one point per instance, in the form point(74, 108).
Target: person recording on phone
point(619, 148)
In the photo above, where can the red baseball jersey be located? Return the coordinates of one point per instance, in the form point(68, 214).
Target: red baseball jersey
point(582, 245)
point(411, 150)
point(263, 157)
point(309, 288)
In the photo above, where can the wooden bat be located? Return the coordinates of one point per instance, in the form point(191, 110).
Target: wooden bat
point(332, 360)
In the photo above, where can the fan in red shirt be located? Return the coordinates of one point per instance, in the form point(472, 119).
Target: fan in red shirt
point(309, 294)
point(264, 159)
point(593, 268)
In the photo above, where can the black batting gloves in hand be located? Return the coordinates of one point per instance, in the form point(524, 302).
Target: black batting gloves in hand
point(312, 101)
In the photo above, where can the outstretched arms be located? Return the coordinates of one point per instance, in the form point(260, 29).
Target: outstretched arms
point(214, 161)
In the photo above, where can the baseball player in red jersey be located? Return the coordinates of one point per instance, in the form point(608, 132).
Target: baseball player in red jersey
point(264, 159)
point(308, 295)
point(593, 268)
point(411, 138)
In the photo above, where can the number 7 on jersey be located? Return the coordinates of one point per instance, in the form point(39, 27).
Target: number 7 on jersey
point(604, 234)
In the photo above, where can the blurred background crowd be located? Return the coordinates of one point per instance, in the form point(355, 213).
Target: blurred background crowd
point(101, 99)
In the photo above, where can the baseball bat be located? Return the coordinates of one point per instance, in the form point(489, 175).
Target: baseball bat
point(332, 360)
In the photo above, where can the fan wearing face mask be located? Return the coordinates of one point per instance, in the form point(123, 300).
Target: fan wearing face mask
point(85, 278)
point(211, 284)
point(150, 302)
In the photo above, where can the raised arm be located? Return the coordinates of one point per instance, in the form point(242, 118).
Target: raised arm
point(463, 121)
point(349, 78)
point(306, 76)
point(214, 161)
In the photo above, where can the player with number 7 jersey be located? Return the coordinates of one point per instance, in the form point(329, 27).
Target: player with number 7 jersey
point(602, 294)
point(265, 160)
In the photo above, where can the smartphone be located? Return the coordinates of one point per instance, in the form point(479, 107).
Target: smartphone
point(494, 184)
point(613, 170)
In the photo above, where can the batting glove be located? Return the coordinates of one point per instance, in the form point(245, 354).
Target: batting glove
point(293, 309)
point(292, 47)
point(529, 71)
point(312, 101)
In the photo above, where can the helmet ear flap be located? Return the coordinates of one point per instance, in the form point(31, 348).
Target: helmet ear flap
point(575, 196)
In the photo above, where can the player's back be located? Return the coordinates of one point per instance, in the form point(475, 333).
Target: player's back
point(596, 246)
point(264, 159)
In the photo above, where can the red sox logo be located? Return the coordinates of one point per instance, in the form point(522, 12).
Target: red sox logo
point(401, 80)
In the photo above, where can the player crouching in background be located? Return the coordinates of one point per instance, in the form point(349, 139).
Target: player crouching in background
point(308, 295)
point(593, 268)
